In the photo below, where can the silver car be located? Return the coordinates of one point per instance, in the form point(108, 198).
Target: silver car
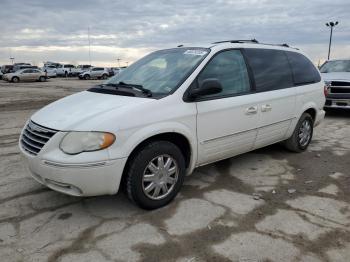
point(25, 75)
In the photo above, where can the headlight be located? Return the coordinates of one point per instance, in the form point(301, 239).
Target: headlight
point(78, 142)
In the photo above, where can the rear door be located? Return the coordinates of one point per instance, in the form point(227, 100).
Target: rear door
point(26, 75)
point(274, 84)
point(226, 122)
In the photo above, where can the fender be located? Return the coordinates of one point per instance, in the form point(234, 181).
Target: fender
point(140, 135)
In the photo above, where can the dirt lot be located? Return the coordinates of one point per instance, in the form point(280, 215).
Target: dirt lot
point(217, 217)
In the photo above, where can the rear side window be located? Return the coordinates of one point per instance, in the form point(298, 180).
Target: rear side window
point(270, 68)
point(304, 72)
point(230, 69)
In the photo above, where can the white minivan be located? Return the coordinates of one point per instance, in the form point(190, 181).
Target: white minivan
point(170, 112)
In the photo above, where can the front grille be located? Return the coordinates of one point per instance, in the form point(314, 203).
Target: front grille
point(34, 137)
point(340, 87)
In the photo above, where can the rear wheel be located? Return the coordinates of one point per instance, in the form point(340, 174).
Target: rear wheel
point(302, 134)
point(15, 79)
point(104, 76)
point(155, 175)
point(42, 78)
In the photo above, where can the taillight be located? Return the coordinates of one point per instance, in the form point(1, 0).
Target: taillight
point(327, 87)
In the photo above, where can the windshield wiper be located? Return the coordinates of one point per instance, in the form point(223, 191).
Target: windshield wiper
point(108, 84)
point(138, 87)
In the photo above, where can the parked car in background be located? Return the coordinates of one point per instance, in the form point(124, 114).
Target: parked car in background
point(110, 72)
point(51, 71)
point(6, 69)
point(95, 73)
point(67, 70)
point(83, 68)
point(28, 74)
point(170, 112)
point(48, 63)
point(336, 74)
point(23, 66)
point(1, 74)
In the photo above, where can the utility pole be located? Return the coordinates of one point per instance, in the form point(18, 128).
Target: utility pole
point(331, 25)
point(118, 59)
point(89, 46)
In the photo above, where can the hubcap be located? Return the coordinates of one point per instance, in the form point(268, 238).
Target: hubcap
point(160, 177)
point(305, 133)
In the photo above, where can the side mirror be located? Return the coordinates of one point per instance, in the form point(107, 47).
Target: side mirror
point(209, 86)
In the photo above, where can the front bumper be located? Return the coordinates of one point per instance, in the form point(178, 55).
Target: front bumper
point(85, 174)
point(337, 103)
point(89, 179)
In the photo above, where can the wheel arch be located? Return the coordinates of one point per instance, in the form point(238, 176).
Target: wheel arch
point(183, 140)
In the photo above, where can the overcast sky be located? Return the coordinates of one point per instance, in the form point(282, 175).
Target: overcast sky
point(40, 30)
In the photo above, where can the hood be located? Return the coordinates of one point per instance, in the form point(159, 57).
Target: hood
point(70, 112)
point(336, 76)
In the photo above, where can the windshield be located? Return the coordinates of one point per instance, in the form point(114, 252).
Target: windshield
point(336, 66)
point(163, 71)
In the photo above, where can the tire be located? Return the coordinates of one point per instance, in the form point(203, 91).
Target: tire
point(87, 77)
point(303, 130)
point(15, 79)
point(138, 170)
point(104, 76)
point(42, 79)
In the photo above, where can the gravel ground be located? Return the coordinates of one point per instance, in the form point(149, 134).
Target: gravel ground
point(267, 205)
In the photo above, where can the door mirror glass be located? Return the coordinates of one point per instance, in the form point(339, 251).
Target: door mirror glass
point(208, 86)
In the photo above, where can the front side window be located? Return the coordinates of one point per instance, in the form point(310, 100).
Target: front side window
point(163, 71)
point(336, 66)
point(270, 68)
point(230, 69)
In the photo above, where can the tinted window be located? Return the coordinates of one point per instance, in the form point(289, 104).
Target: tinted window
point(27, 71)
point(270, 68)
point(97, 69)
point(304, 71)
point(230, 69)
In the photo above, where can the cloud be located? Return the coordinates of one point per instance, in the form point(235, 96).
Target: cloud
point(120, 28)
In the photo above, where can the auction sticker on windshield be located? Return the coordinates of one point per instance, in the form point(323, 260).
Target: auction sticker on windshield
point(195, 52)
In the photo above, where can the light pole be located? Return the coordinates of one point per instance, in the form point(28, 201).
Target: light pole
point(118, 59)
point(12, 59)
point(331, 25)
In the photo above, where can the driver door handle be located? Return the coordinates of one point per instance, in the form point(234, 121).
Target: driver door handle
point(251, 110)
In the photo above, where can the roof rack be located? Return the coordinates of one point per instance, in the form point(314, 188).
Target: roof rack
point(254, 41)
point(238, 41)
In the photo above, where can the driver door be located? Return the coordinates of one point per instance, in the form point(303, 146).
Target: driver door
point(226, 122)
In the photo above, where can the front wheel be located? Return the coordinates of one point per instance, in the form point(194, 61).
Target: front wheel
point(155, 175)
point(302, 134)
point(15, 79)
point(87, 77)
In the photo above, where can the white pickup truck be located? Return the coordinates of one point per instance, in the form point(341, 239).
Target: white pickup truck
point(67, 70)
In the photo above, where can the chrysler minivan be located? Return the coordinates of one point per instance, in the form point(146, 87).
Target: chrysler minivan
point(170, 112)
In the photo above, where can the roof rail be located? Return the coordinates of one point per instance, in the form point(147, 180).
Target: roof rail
point(238, 41)
point(254, 41)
